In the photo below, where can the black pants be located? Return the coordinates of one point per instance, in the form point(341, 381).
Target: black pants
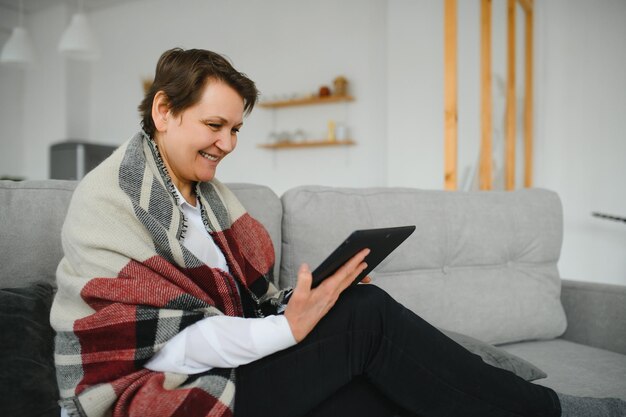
point(370, 356)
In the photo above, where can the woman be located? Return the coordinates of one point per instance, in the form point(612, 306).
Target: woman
point(165, 304)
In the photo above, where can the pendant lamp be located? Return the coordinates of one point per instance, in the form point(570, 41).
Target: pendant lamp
point(78, 42)
point(18, 50)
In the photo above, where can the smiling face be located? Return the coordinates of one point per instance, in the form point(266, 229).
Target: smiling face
point(193, 142)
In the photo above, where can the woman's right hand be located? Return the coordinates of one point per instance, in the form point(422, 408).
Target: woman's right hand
point(308, 305)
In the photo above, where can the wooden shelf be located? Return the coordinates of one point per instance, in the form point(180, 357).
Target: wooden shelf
point(306, 101)
point(307, 144)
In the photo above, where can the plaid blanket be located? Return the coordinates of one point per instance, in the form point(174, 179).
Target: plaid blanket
point(126, 285)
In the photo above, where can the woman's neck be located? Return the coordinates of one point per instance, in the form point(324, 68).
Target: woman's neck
point(187, 191)
point(185, 188)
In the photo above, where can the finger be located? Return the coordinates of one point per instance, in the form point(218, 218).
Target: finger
point(345, 281)
point(366, 280)
point(354, 262)
point(354, 274)
point(347, 273)
point(304, 279)
point(351, 269)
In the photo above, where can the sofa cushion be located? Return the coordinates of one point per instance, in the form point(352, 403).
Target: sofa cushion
point(480, 263)
point(265, 206)
point(30, 225)
point(498, 357)
point(27, 374)
point(575, 369)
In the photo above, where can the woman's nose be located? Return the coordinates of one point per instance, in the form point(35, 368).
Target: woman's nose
point(226, 143)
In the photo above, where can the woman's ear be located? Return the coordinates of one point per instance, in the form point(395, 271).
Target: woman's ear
point(160, 111)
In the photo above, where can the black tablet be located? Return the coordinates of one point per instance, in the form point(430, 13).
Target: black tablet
point(381, 243)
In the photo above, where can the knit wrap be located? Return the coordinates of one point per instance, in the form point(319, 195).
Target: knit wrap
point(127, 285)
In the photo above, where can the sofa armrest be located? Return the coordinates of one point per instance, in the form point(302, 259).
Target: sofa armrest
point(596, 314)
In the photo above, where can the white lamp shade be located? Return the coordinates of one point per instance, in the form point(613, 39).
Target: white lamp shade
point(18, 50)
point(77, 42)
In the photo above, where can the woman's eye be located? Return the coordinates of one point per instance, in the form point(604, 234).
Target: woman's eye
point(215, 125)
point(235, 131)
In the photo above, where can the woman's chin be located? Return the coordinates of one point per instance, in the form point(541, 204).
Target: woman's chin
point(206, 175)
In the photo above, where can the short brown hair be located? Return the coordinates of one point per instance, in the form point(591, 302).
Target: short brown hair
point(182, 74)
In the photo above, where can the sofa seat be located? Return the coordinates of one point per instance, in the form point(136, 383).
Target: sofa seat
point(575, 369)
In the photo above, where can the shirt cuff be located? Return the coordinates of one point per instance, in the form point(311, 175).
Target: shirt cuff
point(271, 334)
point(222, 342)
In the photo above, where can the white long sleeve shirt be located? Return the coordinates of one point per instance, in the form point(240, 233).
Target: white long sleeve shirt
point(218, 341)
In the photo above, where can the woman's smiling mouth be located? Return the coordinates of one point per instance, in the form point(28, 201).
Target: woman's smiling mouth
point(209, 157)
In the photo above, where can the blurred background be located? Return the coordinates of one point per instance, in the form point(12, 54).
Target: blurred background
point(391, 54)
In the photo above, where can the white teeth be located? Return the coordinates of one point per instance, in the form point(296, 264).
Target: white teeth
point(209, 157)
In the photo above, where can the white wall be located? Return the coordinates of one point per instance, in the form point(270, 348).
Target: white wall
point(392, 53)
point(11, 110)
point(296, 50)
point(11, 139)
point(44, 119)
point(415, 93)
point(581, 139)
point(580, 105)
point(33, 100)
point(285, 46)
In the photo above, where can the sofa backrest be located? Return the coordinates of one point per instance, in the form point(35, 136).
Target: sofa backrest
point(32, 213)
point(265, 206)
point(479, 263)
point(31, 216)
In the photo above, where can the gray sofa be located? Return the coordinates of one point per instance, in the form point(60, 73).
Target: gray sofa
point(480, 264)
